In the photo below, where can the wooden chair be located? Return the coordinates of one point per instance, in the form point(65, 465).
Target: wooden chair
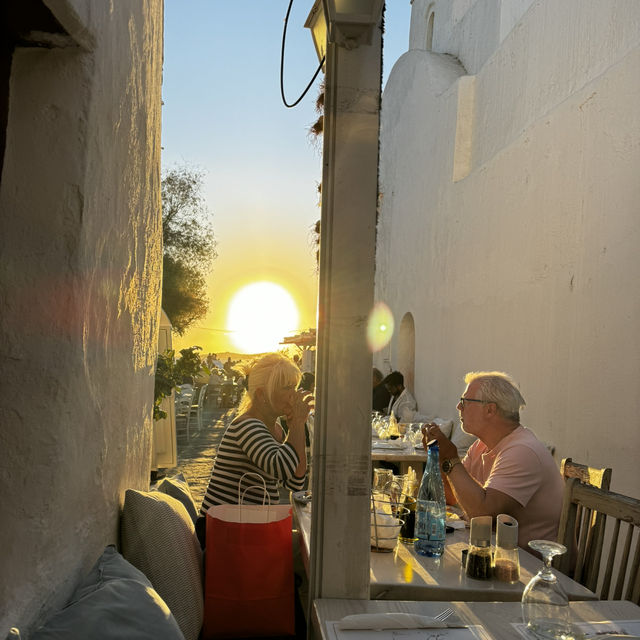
point(600, 478)
point(621, 562)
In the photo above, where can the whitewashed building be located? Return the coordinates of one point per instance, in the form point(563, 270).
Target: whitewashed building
point(81, 256)
point(509, 215)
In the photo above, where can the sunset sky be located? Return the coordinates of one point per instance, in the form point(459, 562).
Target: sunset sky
point(223, 113)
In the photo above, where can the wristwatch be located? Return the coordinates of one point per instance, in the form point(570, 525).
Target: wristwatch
point(448, 464)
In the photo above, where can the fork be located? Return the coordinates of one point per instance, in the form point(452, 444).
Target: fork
point(443, 615)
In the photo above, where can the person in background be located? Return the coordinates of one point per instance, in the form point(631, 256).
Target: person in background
point(381, 396)
point(307, 382)
point(402, 403)
point(507, 470)
point(254, 441)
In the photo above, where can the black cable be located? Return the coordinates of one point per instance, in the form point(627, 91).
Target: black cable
point(315, 75)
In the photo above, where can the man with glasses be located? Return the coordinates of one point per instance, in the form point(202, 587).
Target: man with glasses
point(507, 470)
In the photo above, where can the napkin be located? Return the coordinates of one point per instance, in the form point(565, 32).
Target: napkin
point(389, 621)
point(384, 531)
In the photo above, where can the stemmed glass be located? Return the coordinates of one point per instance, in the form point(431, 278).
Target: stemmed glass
point(545, 605)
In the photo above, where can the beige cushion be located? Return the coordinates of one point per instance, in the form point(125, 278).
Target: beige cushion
point(158, 537)
point(177, 487)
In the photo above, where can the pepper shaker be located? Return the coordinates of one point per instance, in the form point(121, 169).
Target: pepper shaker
point(479, 556)
point(507, 561)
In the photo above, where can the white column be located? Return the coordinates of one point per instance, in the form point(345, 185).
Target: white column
point(342, 446)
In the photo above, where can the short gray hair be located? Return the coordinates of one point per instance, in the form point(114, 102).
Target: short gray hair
point(498, 387)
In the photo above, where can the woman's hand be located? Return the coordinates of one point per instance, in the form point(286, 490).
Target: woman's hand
point(301, 405)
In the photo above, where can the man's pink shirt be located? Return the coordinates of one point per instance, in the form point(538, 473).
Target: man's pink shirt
point(522, 467)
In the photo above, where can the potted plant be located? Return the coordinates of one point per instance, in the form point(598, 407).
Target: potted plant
point(171, 373)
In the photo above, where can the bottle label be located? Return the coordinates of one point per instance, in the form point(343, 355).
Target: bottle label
point(430, 521)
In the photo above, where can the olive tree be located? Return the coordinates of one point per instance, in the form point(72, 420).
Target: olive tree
point(189, 247)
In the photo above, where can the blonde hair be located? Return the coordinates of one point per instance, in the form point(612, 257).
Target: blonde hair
point(268, 372)
point(498, 387)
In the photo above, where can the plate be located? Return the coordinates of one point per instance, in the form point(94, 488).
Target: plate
point(611, 636)
point(303, 497)
point(388, 445)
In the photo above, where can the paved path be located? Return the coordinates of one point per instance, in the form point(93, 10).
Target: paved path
point(195, 457)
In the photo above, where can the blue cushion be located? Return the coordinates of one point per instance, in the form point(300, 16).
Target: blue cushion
point(114, 601)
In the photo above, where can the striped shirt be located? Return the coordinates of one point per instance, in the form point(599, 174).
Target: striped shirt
point(247, 446)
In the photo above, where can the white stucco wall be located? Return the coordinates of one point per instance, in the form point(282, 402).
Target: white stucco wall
point(80, 244)
point(522, 255)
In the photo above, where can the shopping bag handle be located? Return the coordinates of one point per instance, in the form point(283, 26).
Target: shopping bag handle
point(265, 493)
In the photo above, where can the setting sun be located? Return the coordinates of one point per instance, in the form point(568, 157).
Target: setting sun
point(260, 316)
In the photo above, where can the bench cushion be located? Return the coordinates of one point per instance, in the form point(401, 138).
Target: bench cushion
point(114, 601)
point(178, 488)
point(158, 537)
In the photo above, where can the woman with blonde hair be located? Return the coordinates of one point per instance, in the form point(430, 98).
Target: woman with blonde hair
point(254, 441)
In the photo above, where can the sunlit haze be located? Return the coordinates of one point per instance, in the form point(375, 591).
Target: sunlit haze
point(260, 314)
point(223, 113)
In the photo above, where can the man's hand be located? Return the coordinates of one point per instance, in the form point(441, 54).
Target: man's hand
point(432, 431)
point(467, 492)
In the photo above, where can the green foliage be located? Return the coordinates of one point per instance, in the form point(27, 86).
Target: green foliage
point(184, 295)
point(171, 373)
point(189, 247)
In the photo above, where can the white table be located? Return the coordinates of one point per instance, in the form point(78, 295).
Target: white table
point(495, 617)
point(405, 575)
point(403, 457)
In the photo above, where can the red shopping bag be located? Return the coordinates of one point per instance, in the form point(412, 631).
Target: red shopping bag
point(249, 583)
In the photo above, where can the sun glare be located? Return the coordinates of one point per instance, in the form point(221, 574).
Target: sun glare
point(260, 316)
point(379, 327)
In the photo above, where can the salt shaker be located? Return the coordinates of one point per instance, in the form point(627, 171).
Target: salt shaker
point(479, 555)
point(507, 561)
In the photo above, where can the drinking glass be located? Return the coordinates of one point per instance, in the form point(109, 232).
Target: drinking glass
point(545, 605)
point(416, 434)
point(375, 418)
point(382, 479)
point(383, 427)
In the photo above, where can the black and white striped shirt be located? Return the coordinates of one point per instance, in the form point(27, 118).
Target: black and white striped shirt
point(248, 446)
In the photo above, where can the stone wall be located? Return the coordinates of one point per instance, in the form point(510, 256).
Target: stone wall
point(80, 244)
point(509, 218)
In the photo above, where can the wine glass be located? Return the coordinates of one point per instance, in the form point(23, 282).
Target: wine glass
point(545, 605)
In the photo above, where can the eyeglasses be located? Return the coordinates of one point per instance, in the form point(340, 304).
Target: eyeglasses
point(463, 400)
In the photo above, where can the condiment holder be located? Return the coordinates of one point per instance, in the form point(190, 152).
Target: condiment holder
point(479, 555)
point(506, 563)
point(388, 515)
